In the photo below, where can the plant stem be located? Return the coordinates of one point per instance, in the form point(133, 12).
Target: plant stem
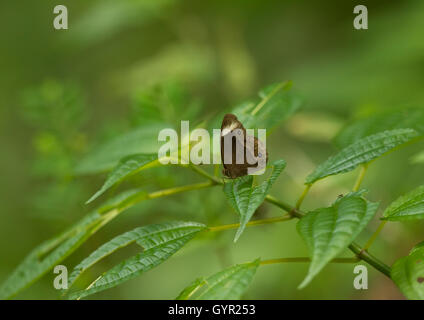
point(367, 257)
point(285, 206)
point(303, 195)
point(267, 98)
point(307, 259)
point(115, 211)
point(354, 247)
point(251, 223)
point(170, 191)
point(374, 236)
point(361, 176)
point(216, 170)
point(205, 174)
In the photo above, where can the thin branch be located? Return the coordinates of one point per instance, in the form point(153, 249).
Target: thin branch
point(285, 206)
point(205, 174)
point(216, 170)
point(372, 260)
point(171, 191)
point(361, 176)
point(267, 98)
point(374, 236)
point(354, 247)
point(307, 259)
point(251, 223)
point(303, 195)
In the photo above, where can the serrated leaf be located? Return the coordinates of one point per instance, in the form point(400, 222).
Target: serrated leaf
point(228, 284)
point(412, 118)
point(408, 274)
point(361, 152)
point(45, 256)
point(103, 251)
point(276, 105)
point(138, 235)
point(107, 155)
point(127, 166)
point(51, 252)
point(328, 231)
point(123, 200)
point(188, 292)
point(246, 198)
point(159, 242)
point(407, 207)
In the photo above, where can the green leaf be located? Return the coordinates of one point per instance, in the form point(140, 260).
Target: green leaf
point(246, 198)
point(106, 249)
point(127, 166)
point(360, 152)
point(418, 158)
point(276, 105)
point(137, 235)
point(107, 155)
point(188, 292)
point(51, 252)
point(123, 200)
point(412, 118)
point(228, 284)
point(328, 231)
point(159, 241)
point(407, 207)
point(168, 101)
point(417, 246)
point(408, 273)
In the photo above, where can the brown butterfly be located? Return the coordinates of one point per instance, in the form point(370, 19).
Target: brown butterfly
point(241, 145)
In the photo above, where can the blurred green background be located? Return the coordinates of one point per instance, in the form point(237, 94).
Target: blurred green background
point(66, 95)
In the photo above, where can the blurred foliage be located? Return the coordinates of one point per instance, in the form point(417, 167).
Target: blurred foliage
point(125, 68)
point(57, 112)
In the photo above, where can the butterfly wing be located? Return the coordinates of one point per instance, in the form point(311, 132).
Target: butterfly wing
point(255, 150)
point(250, 147)
point(234, 170)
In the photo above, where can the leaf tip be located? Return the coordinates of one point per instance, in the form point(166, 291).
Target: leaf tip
point(238, 234)
point(305, 282)
point(93, 197)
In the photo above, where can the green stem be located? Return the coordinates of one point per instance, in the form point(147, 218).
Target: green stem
point(216, 170)
point(162, 193)
point(307, 259)
point(372, 260)
point(205, 174)
point(374, 236)
point(266, 99)
point(354, 247)
point(115, 211)
point(251, 223)
point(361, 176)
point(171, 191)
point(303, 195)
point(285, 206)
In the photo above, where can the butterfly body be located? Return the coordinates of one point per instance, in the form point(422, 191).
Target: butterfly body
point(241, 142)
